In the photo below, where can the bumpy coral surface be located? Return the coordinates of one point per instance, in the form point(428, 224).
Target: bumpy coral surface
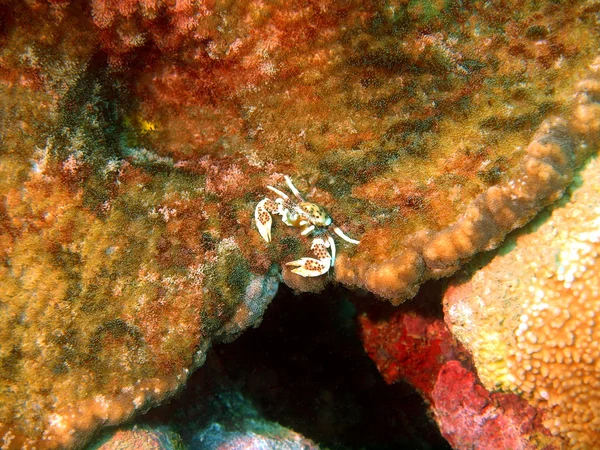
point(139, 438)
point(414, 346)
point(138, 135)
point(213, 414)
point(410, 121)
point(530, 316)
point(115, 274)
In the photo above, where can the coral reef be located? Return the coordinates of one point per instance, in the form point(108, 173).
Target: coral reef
point(138, 135)
point(472, 417)
point(139, 438)
point(415, 346)
point(548, 164)
point(213, 413)
point(304, 368)
point(529, 316)
point(414, 123)
point(408, 345)
point(115, 275)
point(232, 424)
point(237, 424)
point(362, 110)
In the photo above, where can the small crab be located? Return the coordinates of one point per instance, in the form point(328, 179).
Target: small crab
point(311, 219)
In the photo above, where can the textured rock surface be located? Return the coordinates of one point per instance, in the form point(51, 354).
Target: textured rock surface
point(139, 438)
point(231, 423)
point(214, 412)
point(137, 137)
point(114, 280)
point(412, 122)
point(529, 317)
point(236, 424)
point(472, 417)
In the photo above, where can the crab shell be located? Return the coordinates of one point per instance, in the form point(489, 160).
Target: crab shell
point(306, 212)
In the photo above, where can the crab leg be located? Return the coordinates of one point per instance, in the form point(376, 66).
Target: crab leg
point(263, 218)
point(296, 192)
point(341, 234)
point(332, 246)
point(307, 230)
point(311, 267)
point(278, 192)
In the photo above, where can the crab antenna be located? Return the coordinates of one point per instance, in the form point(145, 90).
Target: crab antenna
point(278, 192)
point(332, 246)
point(341, 234)
point(296, 192)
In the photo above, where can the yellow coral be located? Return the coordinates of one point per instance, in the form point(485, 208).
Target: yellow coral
point(529, 316)
point(146, 126)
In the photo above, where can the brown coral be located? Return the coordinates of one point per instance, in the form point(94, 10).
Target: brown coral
point(548, 164)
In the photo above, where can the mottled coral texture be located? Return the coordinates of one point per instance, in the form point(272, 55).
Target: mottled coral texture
point(139, 438)
point(530, 316)
point(472, 417)
point(138, 135)
point(410, 121)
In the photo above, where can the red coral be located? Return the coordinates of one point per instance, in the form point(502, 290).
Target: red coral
point(418, 348)
point(408, 347)
point(468, 414)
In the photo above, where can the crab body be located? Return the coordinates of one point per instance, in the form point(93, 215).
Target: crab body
point(311, 219)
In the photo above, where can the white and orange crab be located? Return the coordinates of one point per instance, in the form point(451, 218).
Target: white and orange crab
point(311, 219)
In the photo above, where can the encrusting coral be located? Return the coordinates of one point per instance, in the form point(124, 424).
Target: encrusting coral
point(412, 123)
point(140, 438)
point(556, 150)
point(138, 136)
point(530, 316)
point(115, 275)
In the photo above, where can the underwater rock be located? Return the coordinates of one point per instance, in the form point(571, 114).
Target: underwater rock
point(113, 282)
point(213, 413)
point(529, 316)
point(139, 438)
point(428, 129)
point(556, 150)
point(469, 416)
point(236, 424)
point(407, 345)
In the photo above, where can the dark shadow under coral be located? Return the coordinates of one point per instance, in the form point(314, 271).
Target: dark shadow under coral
point(305, 368)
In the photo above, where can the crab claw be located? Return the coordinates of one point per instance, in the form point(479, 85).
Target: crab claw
point(311, 267)
point(263, 218)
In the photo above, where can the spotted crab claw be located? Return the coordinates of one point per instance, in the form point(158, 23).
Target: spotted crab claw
point(263, 218)
point(311, 267)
